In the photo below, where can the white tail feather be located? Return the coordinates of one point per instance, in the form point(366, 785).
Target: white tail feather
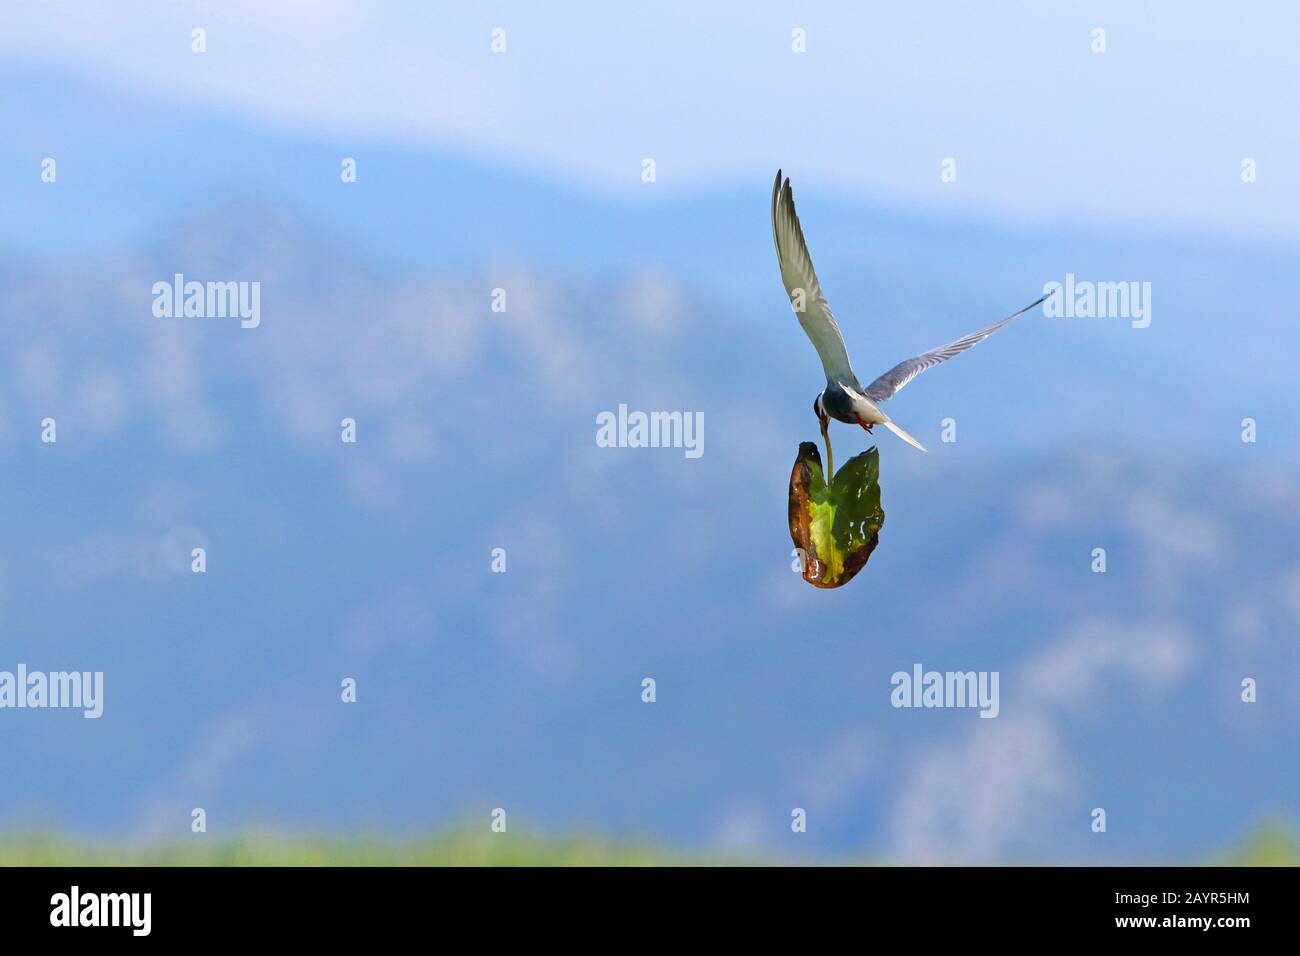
point(904, 435)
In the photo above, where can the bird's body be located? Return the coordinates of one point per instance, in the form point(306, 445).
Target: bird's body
point(843, 401)
point(844, 398)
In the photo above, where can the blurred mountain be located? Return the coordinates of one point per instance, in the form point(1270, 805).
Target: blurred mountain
point(132, 169)
point(476, 430)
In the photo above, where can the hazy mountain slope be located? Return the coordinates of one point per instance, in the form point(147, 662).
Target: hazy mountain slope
point(522, 690)
point(136, 173)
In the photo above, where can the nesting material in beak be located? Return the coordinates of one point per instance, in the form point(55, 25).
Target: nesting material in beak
point(830, 459)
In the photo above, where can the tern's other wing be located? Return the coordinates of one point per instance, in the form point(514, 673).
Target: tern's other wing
point(887, 385)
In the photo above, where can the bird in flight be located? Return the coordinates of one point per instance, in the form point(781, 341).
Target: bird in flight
point(844, 398)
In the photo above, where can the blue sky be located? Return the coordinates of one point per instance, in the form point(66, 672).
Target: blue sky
point(1151, 132)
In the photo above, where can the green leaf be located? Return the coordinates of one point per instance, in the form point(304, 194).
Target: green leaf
point(838, 527)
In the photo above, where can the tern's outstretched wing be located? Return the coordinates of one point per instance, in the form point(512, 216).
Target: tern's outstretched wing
point(888, 384)
point(802, 286)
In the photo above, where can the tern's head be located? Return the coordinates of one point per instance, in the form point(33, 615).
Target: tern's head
point(819, 409)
